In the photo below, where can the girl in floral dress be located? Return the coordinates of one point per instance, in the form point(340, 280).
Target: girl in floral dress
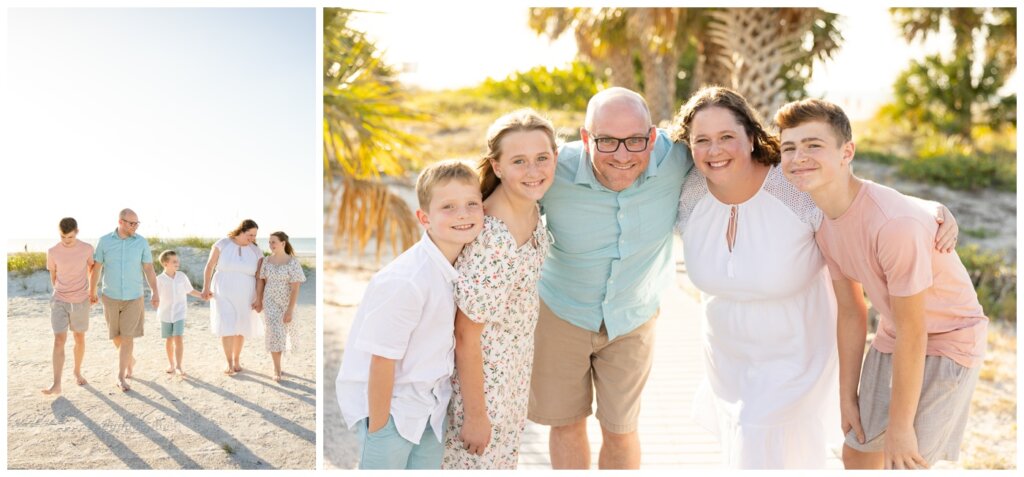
point(496, 294)
point(278, 290)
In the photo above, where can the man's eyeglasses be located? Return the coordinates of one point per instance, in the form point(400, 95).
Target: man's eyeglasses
point(611, 144)
point(131, 224)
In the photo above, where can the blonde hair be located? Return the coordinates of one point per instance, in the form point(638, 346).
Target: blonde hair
point(524, 119)
point(440, 173)
point(166, 255)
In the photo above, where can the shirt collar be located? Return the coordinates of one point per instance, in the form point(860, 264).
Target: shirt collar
point(436, 256)
point(118, 237)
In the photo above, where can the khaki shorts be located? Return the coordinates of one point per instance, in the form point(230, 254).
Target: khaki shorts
point(570, 363)
point(941, 411)
point(73, 315)
point(124, 317)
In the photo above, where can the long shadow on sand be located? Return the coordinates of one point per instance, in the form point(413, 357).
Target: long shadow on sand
point(183, 413)
point(64, 409)
point(146, 430)
point(269, 416)
point(269, 383)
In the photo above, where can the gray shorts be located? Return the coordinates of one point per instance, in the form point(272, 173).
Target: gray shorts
point(941, 412)
point(64, 315)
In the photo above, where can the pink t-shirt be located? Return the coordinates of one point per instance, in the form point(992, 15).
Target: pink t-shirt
point(72, 266)
point(885, 241)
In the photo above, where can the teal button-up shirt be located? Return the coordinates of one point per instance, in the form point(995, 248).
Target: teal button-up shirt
point(612, 251)
point(122, 260)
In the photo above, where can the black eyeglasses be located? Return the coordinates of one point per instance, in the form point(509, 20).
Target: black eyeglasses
point(611, 144)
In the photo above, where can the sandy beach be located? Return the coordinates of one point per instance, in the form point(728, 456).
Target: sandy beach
point(206, 420)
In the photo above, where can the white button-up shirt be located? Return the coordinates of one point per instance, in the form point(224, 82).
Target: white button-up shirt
point(407, 314)
point(173, 293)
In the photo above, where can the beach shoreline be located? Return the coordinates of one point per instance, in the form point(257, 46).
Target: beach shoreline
point(205, 420)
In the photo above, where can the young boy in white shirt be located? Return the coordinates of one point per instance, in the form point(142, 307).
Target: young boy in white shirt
point(174, 289)
point(394, 384)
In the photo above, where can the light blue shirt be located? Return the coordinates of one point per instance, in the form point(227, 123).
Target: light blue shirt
point(612, 251)
point(122, 260)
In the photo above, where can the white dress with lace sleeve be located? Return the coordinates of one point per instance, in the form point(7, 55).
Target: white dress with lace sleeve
point(771, 388)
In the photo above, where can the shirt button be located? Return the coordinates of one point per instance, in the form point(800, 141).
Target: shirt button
point(621, 215)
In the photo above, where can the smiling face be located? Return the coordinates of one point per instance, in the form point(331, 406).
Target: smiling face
point(527, 164)
point(455, 214)
point(813, 156)
point(275, 244)
point(128, 224)
point(171, 263)
point(247, 237)
point(619, 118)
point(721, 148)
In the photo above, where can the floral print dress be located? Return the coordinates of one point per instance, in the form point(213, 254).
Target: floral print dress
point(497, 286)
point(276, 296)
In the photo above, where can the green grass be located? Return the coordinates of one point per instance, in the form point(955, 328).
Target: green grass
point(995, 280)
point(988, 161)
point(156, 243)
point(25, 263)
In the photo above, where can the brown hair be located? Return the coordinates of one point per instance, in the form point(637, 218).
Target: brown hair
point(287, 244)
point(524, 119)
point(807, 110)
point(439, 173)
point(766, 146)
point(242, 227)
point(166, 255)
point(68, 225)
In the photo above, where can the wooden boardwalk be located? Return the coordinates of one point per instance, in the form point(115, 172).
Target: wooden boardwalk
point(669, 439)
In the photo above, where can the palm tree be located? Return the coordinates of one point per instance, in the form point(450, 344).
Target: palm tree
point(956, 93)
point(363, 141)
point(763, 53)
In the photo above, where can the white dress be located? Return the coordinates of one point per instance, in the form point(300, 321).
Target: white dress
point(771, 389)
point(234, 289)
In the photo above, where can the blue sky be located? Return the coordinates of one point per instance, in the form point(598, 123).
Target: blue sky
point(195, 118)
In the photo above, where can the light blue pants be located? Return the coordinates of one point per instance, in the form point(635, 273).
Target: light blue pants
point(386, 449)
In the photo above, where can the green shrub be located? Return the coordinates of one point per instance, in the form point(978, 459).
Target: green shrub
point(995, 280)
point(25, 263)
point(959, 166)
point(545, 88)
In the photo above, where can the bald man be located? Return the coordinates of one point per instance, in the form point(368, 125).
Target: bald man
point(122, 257)
point(611, 211)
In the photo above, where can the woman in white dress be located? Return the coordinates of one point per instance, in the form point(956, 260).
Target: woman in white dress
point(234, 315)
point(771, 389)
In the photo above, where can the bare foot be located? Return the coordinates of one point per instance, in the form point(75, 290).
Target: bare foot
point(180, 372)
point(81, 380)
point(169, 370)
point(229, 371)
point(238, 368)
point(53, 391)
point(277, 377)
point(128, 374)
point(123, 385)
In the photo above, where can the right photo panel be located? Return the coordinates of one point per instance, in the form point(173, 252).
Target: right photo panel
point(669, 238)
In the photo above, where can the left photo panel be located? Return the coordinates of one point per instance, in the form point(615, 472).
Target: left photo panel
point(162, 222)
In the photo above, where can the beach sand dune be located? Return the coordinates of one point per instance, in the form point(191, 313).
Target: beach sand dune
point(206, 420)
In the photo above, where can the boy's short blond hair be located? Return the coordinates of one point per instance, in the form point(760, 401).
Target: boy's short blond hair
point(166, 255)
point(440, 173)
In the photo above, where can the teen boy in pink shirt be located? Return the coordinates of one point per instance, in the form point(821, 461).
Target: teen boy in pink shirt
point(70, 264)
point(918, 377)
